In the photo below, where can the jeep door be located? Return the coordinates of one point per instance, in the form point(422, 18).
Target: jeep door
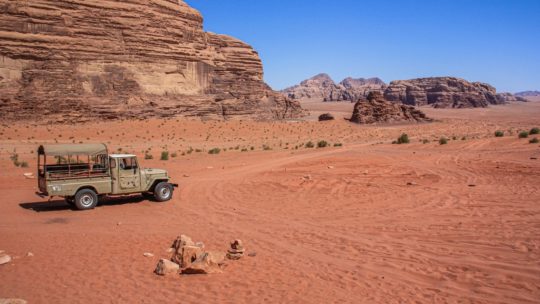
point(129, 179)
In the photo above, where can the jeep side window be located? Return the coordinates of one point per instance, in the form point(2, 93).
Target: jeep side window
point(128, 163)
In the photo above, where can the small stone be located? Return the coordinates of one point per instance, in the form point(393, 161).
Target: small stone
point(29, 254)
point(189, 255)
point(186, 175)
point(170, 250)
point(472, 185)
point(148, 254)
point(330, 167)
point(411, 184)
point(119, 223)
point(165, 267)
point(205, 264)
point(252, 254)
point(4, 259)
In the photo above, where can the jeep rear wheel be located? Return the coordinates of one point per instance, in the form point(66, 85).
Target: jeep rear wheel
point(86, 199)
point(163, 192)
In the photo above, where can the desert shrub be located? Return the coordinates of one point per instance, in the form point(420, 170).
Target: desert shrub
point(24, 164)
point(310, 144)
point(252, 148)
point(174, 155)
point(214, 151)
point(338, 145)
point(198, 150)
point(322, 144)
point(425, 141)
point(403, 139)
point(443, 141)
point(15, 159)
point(244, 150)
point(523, 134)
point(266, 148)
point(148, 156)
point(534, 141)
point(534, 131)
point(499, 133)
point(464, 138)
point(164, 155)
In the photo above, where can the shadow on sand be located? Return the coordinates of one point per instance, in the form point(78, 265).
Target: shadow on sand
point(62, 205)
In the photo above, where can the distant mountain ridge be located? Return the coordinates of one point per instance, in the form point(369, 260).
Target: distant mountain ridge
point(528, 94)
point(439, 92)
point(323, 86)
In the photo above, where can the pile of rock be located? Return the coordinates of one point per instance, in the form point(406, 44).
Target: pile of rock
point(236, 251)
point(189, 257)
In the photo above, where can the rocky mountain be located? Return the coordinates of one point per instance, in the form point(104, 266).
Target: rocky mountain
point(375, 109)
point(75, 60)
point(442, 92)
point(528, 94)
point(323, 87)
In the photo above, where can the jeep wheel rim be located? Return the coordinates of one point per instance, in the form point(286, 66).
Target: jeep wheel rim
point(165, 192)
point(87, 200)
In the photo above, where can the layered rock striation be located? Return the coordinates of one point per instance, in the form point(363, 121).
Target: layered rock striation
point(323, 87)
point(84, 60)
point(375, 109)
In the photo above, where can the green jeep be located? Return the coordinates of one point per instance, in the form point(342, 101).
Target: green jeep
point(84, 173)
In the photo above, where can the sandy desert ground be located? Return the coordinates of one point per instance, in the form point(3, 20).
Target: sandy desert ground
point(375, 223)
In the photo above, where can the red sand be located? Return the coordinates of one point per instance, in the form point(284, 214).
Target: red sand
point(466, 229)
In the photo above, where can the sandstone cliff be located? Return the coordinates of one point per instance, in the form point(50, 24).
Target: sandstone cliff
point(323, 87)
point(375, 109)
point(91, 59)
point(442, 92)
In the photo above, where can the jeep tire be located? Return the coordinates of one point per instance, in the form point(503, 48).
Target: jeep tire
point(86, 199)
point(163, 192)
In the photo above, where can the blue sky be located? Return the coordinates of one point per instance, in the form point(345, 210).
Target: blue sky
point(492, 41)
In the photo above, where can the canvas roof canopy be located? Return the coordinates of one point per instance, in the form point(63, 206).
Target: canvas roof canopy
point(73, 149)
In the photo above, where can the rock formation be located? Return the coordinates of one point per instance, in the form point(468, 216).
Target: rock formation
point(378, 110)
point(77, 60)
point(355, 89)
point(442, 92)
point(323, 87)
point(236, 251)
point(509, 97)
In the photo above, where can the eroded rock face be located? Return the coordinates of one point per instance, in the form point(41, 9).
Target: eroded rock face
point(375, 109)
point(82, 60)
point(442, 92)
point(323, 87)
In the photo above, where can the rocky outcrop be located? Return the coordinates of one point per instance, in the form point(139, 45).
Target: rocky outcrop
point(323, 87)
point(442, 92)
point(76, 60)
point(375, 109)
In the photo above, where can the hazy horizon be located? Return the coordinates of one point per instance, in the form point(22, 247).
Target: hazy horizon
point(486, 41)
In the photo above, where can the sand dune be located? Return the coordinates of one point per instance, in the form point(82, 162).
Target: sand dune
point(375, 223)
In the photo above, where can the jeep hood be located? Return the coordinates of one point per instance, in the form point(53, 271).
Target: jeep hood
point(155, 172)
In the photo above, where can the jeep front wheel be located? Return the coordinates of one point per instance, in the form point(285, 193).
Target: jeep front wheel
point(86, 199)
point(163, 192)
